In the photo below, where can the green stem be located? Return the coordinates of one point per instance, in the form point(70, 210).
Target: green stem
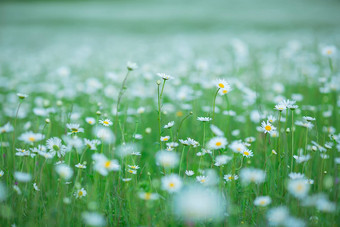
point(214, 104)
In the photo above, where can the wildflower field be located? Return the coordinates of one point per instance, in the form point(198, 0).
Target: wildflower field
point(182, 113)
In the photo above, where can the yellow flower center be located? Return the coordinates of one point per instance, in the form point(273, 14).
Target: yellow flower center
point(165, 139)
point(262, 202)
point(230, 177)
point(171, 185)
point(74, 130)
point(80, 193)
point(225, 91)
point(299, 187)
point(268, 127)
point(32, 139)
point(221, 85)
point(218, 143)
point(203, 180)
point(179, 114)
point(106, 122)
point(238, 149)
point(329, 51)
point(147, 196)
point(90, 122)
point(246, 153)
point(3, 131)
point(107, 164)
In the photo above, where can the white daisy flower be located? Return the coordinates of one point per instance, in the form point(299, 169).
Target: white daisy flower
point(167, 159)
point(80, 166)
point(74, 129)
point(230, 177)
point(90, 120)
point(164, 76)
point(170, 124)
point(204, 119)
point(262, 201)
point(22, 177)
point(216, 143)
point(266, 127)
point(35, 186)
point(103, 165)
point(31, 137)
point(165, 138)
point(55, 146)
point(171, 183)
point(247, 153)
point(80, 193)
point(148, 196)
point(64, 171)
point(298, 187)
point(106, 122)
point(189, 173)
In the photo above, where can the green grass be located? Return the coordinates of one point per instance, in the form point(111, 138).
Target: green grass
point(92, 39)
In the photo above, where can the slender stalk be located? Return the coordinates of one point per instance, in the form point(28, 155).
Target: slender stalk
point(14, 128)
point(180, 162)
point(120, 95)
point(291, 163)
point(214, 104)
point(180, 124)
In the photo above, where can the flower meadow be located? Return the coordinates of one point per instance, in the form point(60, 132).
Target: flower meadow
point(174, 133)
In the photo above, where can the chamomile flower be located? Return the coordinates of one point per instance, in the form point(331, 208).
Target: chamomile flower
point(167, 159)
point(216, 131)
point(106, 122)
point(164, 76)
point(230, 177)
point(148, 196)
point(22, 152)
point(6, 128)
point(271, 119)
point(262, 201)
point(31, 137)
point(189, 173)
point(299, 187)
point(252, 175)
point(1, 173)
point(90, 120)
point(132, 171)
point(131, 66)
point(307, 118)
point(221, 160)
point(80, 166)
point(22, 177)
point(169, 125)
point(35, 186)
point(171, 183)
point(277, 216)
point(280, 107)
point(237, 146)
point(329, 51)
point(204, 119)
point(217, 143)
point(247, 153)
point(202, 179)
point(103, 165)
point(74, 129)
point(133, 166)
point(64, 171)
point(22, 95)
point(266, 127)
point(165, 138)
point(80, 193)
point(196, 203)
point(54, 145)
point(222, 84)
